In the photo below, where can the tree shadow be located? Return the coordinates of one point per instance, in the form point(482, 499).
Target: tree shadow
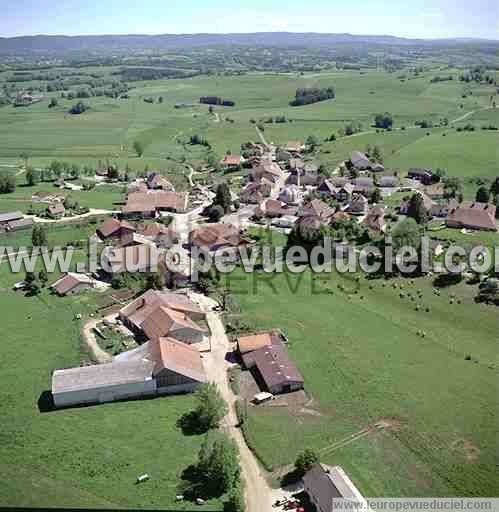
point(189, 424)
point(290, 478)
point(196, 484)
point(445, 280)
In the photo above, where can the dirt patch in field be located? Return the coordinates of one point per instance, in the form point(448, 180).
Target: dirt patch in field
point(389, 423)
point(466, 449)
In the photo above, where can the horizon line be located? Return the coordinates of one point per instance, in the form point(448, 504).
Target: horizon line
point(141, 34)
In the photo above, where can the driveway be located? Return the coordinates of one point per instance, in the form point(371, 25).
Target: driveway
point(258, 494)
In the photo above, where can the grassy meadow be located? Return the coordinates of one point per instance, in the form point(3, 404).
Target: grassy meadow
point(109, 128)
point(364, 362)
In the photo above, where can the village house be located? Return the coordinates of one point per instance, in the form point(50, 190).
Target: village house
point(266, 357)
point(425, 176)
point(302, 173)
point(375, 219)
point(319, 209)
point(17, 225)
point(389, 182)
point(137, 186)
point(56, 211)
point(267, 170)
point(294, 147)
point(273, 208)
point(149, 204)
point(344, 193)
point(326, 188)
point(427, 203)
point(155, 181)
point(6, 218)
point(158, 314)
point(435, 191)
point(357, 205)
point(325, 484)
point(137, 255)
point(364, 186)
point(360, 161)
point(216, 236)
point(255, 192)
point(231, 162)
point(443, 208)
point(159, 367)
point(473, 215)
point(72, 284)
point(14, 221)
point(47, 197)
point(162, 236)
point(112, 230)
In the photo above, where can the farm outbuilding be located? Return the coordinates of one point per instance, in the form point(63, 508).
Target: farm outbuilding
point(325, 484)
point(267, 358)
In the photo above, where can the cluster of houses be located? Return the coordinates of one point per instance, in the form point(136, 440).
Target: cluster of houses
point(281, 183)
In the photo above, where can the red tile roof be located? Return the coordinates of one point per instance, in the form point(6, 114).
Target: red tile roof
point(473, 215)
point(178, 357)
point(138, 202)
point(216, 235)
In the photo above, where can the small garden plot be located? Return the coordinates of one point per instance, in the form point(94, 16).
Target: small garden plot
point(114, 340)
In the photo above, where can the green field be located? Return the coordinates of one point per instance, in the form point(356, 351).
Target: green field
point(363, 362)
point(109, 128)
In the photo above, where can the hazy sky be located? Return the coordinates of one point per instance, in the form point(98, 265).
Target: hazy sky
point(416, 18)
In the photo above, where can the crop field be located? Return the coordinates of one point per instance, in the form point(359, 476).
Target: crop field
point(364, 363)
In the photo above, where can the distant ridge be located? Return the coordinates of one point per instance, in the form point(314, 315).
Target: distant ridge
point(59, 43)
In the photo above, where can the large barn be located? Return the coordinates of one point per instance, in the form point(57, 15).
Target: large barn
point(159, 367)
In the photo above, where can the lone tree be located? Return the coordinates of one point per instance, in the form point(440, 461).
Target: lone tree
point(218, 462)
point(223, 197)
point(138, 148)
point(215, 213)
point(482, 195)
point(39, 236)
point(7, 183)
point(384, 121)
point(305, 460)
point(211, 406)
point(32, 176)
point(32, 283)
point(312, 142)
point(416, 209)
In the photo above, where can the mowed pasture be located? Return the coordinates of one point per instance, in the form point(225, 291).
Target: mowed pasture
point(109, 128)
point(364, 363)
